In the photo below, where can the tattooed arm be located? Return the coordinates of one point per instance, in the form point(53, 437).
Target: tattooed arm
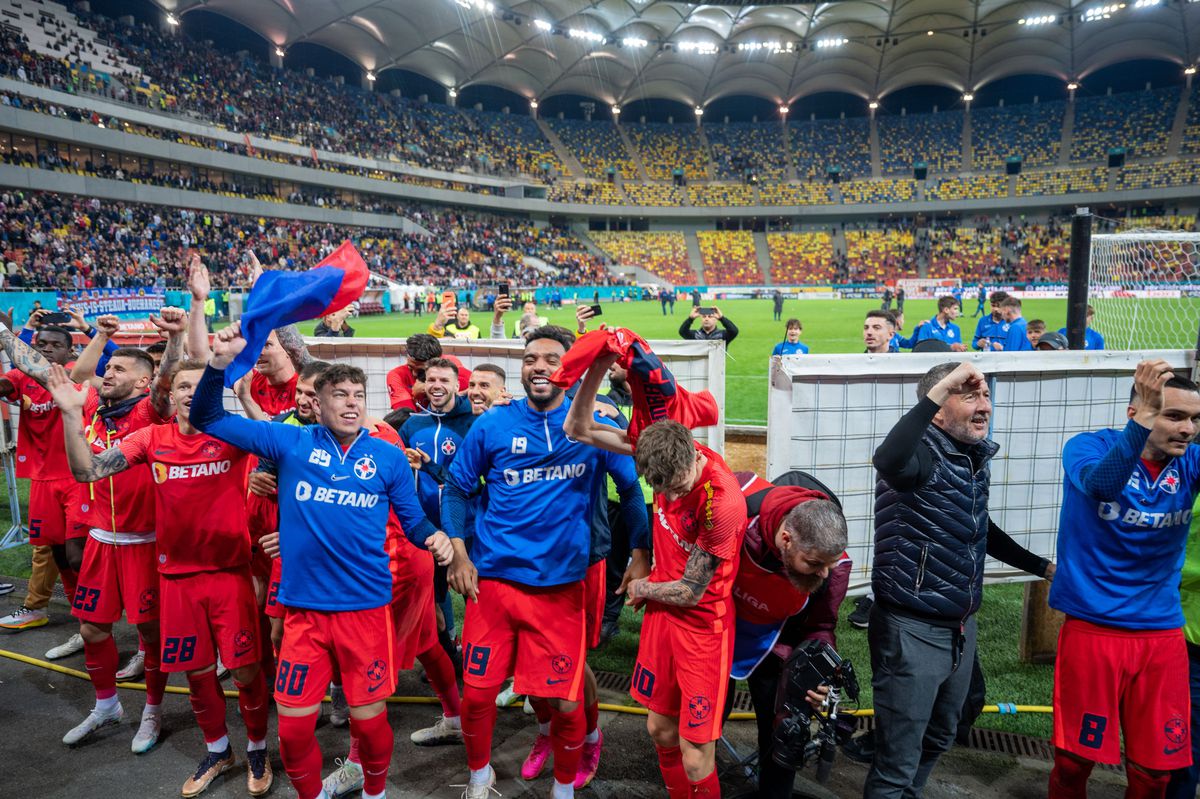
point(293, 344)
point(173, 322)
point(23, 356)
point(684, 592)
point(85, 467)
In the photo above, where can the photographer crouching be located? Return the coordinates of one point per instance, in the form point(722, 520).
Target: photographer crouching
point(791, 580)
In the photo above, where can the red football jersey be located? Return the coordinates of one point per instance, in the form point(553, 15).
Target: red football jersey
point(400, 550)
point(713, 517)
point(273, 399)
point(199, 496)
point(41, 451)
point(123, 503)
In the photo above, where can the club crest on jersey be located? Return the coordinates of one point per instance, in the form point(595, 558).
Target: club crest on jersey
point(364, 468)
point(210, 449)
point(448, 447)
point(376, 671)
point(147, 600)
point(243, 642)
point(1176, 731)
point(519, 444)
point(1169, 481)
point(561, 664)
point(699, 707)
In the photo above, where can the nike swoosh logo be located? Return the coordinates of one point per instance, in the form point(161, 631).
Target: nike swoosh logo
point(696, 723)
point(373, 688)
point(337, 477)
point(1169, 751)
point(554, 682)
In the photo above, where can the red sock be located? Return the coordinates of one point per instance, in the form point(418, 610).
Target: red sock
point(1142, 785)
point(541, 709)
point(354, 756)
point(670, 763)
point(375, 744)
point(156, 678)
point(591, 715)
point(478, 721)
point(70, 580)
point(566, 736)
point(253, 702)
point(266, 650)
point(1069, 777)
point(300, 753)
point(710, 786)
point(208, 704)
point(440, 671)
point(101, 661)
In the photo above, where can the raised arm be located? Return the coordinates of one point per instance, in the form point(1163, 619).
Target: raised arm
point(200, 286)
point(581, 424)
point(23, 356)
point(85, 467)
point(173, 322)
point(293, 344)
point(84, 369)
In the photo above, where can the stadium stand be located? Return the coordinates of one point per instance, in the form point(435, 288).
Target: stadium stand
point(739, 148)
point(729, 257)
point(514, 143)
point(662, 252)
point(1037, 251)
point(820, 144)
point(1138, 121)
point(596, 145)
point(660, 194)
point(715, 195)
point(935, 139)
point(1191, 130)
point(879, 191)
point(962, 252)
point(801, 258)
point(1159, 222)
point(978, 187)
point(1159, 175)
point(665, 148)
point(1030, 131)
point(1062, 181)
point(587, 192)
point(878, 255)
point(795, 193)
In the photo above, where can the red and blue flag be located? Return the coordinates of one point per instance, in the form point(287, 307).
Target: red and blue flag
point(283, 298)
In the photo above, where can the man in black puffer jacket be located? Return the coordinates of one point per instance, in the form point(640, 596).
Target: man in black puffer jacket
point(932, 535)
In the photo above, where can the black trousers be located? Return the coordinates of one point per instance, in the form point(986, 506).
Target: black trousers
point(774, 781)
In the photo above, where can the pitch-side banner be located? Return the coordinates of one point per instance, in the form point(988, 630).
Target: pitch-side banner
point(124, 303)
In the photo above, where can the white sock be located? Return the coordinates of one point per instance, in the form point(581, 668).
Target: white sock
point(255, 746)
point(481, 776)
point(563, 790)
point(544, 729)
point(454, 721)
point(151, 710)
point(218, 746)
point(108, 705)
point(380, 795)
point(592, 737)
point(322, 795)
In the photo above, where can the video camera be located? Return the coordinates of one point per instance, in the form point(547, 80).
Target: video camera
point(812, 665)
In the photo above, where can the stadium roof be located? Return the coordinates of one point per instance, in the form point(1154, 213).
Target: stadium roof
point(623, 50)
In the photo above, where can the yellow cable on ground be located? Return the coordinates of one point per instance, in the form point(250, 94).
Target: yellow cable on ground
point(1005, 709)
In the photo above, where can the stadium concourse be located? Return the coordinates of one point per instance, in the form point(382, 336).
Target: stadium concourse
point(750, 189)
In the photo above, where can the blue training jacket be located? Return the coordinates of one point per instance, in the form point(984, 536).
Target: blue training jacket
point(439, 436)
point(333, 505)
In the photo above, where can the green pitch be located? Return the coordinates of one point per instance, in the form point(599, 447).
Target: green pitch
point(829, 326)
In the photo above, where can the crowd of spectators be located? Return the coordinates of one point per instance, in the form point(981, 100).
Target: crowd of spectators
point(1140, 122)
point(1062, 181)
point(743, 150)
point(720, 195)
point(935, 139)
point(664, 149)
point(976, 187)
point(1031, 132)
point(597, 146)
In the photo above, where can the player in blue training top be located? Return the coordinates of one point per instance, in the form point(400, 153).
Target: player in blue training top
point(1122, 662)
point(941, 326)
point(992, 326)
point(791, 344)
point(336, 486)
point(1092, 340)
point(526, 615)
point(1010, 334)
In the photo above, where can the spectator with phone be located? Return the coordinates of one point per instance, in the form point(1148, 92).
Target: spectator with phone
point(709, 317)
point(582, 314)
point(500, 306)
point(454, 322)
point(529, 309)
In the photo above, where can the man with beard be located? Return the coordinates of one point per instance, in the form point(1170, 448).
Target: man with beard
point(485, 386)
point(932, 535)
point(526, 615)
point(791, 580)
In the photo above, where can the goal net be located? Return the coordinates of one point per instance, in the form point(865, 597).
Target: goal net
point(1145, 287)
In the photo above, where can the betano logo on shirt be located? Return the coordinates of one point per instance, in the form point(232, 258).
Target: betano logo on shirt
point(335, 496)
point(164, 472)
point(544, 473)
point(1110, 511)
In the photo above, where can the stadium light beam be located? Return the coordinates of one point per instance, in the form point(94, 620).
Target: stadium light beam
point(634, 42)
point(279, 51)
point(616, 110)
point(1190, 71)
point(824, 44)
point(371, 76)
point(1101, 12)
point(542, 25)
point(1072, 86)
point(968, 97)
point(1034, 22)
point(701, 48)
point(783, 109)
point(699, 111)
point(1147, 3)
point(873, 105)
point(172, 20)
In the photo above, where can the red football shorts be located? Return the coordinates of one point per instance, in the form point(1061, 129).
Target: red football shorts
point(1139, 678)
point(77, 510)
point(359, 642)
point(49, 503)
point(207, 613)
point(115, 578)
point(272, 607)
point(594, 584)
point(412, 606)
point(533, 634)
point(684, 674)
point(262, 517)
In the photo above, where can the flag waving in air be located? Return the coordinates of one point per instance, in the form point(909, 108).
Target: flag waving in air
point(284, 298)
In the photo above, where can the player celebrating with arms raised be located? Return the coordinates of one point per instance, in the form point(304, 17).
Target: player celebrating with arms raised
point(1122, 660)
point(336, 484)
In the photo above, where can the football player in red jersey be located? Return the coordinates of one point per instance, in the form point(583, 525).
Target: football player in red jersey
point(686, 644)
point(207, 600)
point(116, 514)
point(41, 460)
